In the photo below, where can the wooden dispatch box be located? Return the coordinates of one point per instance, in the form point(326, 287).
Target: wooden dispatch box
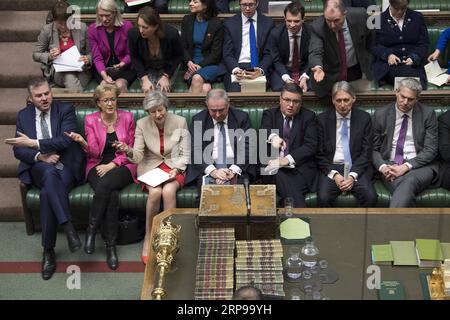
point(229, 200)
point(225, 206)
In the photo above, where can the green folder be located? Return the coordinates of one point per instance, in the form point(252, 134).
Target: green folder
point(404, 253)
point(382, 254)
point(429, 249)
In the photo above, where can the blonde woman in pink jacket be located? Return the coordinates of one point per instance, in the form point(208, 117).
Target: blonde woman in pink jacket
point(107, 170)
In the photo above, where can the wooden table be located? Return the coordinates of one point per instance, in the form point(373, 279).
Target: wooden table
point(344, 237)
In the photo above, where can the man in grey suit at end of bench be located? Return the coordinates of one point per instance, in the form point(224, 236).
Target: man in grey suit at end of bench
point(405, 145)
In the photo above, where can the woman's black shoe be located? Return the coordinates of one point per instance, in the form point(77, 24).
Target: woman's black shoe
point(111, 257)
point(89, 244)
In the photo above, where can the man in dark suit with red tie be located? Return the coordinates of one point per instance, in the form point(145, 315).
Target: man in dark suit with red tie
point(291, 132)
point(339, 49)
point(51, 161)
point(345, 150)
point(288, 46)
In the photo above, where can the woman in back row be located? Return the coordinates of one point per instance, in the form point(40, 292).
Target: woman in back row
point(56, 38)
point(108, 37)
point(155, 50)
point(202, 37)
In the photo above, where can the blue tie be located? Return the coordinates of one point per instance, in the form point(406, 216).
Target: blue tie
point(345, 144)
point(221, 147)
point(254, 62)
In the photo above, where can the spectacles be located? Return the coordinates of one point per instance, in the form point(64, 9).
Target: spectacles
point(105, 101)
point(247, 5)
point(293, 101)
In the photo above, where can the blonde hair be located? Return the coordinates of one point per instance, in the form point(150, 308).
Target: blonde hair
point(102, 89)
point(111, 6)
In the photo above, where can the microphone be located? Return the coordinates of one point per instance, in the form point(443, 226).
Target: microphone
point(247, 195)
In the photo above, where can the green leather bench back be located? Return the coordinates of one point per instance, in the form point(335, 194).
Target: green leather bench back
point(88, 6)
point(182, 6)
point(254, 112)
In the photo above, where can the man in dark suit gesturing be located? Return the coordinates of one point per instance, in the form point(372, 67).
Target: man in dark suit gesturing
point(339, 49)
point(245, 37)
point(292, 132)
point(51, 161)
point(405, 144)
point(345, 150)
point(288, 46)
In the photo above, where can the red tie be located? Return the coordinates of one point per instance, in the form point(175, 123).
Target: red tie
point(342, 57)
point(295, 61)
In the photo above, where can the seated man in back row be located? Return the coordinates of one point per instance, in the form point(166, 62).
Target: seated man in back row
point(405, 145)
point(246, 35)
point(288, 46)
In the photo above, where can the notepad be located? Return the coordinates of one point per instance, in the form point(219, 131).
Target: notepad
point(154, 177)
point(435, 74)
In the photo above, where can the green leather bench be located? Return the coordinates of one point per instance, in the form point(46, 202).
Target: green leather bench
point(182, 6)
point(133, 200)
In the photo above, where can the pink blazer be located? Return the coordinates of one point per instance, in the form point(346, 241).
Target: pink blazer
point(96, 138)
point(99, 44)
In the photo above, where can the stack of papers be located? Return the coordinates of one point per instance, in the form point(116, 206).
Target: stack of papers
point(68, 61)
point(435, 74)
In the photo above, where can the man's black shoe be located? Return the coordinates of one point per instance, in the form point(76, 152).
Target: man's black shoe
point(48, 264)
point(73, 240)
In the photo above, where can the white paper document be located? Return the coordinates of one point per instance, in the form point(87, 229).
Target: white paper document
point(136, 2)
point(272, 170)
point(435, 74)
point(68, 61)
point(154, 177)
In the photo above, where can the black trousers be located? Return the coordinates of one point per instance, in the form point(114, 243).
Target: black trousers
point(55, 186)
point(290, 184)
point(363, 190)
point(104, 211)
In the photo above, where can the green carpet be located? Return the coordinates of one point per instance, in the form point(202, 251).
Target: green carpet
point(20, 276)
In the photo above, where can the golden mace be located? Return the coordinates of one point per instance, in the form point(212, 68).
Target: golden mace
point(165, 245)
